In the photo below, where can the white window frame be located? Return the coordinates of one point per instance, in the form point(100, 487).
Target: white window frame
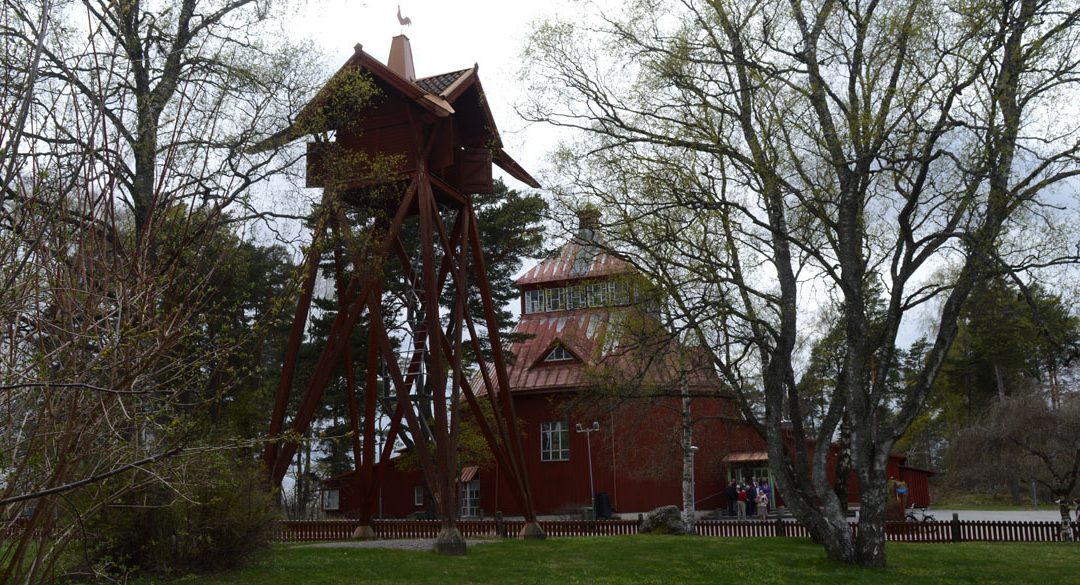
point(470, 499)
point(534, 300)
point(331, 500)
point(555, 441)
point(559, 353)
point(418, 495)
point(598, 294)
point(618, 293)
point(576, 297)
point(556, 299)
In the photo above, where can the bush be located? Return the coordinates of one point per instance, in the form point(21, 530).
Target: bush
point(210, 519)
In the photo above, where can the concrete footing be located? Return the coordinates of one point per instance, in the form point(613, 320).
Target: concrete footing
point(365, 532)
point(450, 542)
point(532, 531)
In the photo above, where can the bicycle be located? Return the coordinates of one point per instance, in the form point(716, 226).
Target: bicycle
point(915, 514)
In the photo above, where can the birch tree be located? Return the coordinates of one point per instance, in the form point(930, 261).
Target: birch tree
point(756, 157)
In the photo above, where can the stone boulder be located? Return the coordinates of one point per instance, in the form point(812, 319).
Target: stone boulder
point(663, 520)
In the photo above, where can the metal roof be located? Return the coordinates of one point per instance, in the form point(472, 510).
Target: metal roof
point(580, 259)
point(745, 456)
point(594, 337)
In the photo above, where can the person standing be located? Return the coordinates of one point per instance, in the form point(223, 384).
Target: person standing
point(732, 493)
point(751, 497)
point(762, 505)
point(740, 503)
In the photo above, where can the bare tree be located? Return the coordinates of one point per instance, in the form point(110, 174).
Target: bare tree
point(1027, 439)
point(758, 157)
point(126, 170)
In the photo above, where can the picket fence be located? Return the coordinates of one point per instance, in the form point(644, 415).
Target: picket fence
point(939, 531)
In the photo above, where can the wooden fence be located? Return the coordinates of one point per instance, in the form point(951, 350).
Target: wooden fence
point(946, 531)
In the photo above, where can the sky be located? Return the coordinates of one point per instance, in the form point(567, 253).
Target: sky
point(445, 36)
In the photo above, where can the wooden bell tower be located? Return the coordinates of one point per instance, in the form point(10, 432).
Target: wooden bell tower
point(417, 148)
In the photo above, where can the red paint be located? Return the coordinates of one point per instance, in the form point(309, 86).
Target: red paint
point(636, 455)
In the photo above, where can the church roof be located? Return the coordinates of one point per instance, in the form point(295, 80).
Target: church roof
point(579, 259)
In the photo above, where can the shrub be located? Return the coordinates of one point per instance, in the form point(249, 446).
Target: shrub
point(210, 518)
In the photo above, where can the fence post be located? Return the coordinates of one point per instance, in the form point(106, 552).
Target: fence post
point(780, 527)
point(500, 527)
point(955, 527)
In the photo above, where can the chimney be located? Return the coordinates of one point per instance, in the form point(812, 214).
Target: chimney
point(400, 60)
point(587, 239)
point(588, 223)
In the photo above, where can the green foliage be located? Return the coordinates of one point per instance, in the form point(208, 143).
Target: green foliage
point(1010, 342)
point(213, 514)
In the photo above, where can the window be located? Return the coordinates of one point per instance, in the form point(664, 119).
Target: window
point(418, 495)
point(598, 294)
point(554, 441)
point(330, 499)
point(558, 354)
point(534, 301)
point(618, 292)
point(470, 499)
point(575, 297)
point(556, 299)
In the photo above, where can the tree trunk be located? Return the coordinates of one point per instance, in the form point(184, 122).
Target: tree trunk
point(871, 536)
point(1066, 525)
point(843, 465)
point(1014, 489)
point(999, 378)
point(689, 515)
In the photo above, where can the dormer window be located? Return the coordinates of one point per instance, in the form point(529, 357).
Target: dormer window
point(598, 294)
point(558, 354)
point(619, 293)
point(608, 293)
point(575, 297)
point(556, 299)
point(534, 301)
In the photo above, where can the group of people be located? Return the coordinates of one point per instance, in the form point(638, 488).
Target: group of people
point(753, 498)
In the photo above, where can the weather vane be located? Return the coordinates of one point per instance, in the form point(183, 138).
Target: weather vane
point(403, 20)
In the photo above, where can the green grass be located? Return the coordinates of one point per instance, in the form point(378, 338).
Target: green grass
point(659, 560)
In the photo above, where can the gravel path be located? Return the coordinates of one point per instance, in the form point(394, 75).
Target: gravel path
point(411, 544)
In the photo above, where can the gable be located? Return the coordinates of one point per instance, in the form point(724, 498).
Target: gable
point(557, 354)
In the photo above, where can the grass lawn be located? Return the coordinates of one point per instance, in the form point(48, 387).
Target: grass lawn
point(660, 560)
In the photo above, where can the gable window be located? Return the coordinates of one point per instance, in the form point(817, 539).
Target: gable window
point(534, 301)
point(555, 441)
point(556, 299)
point(558, 354)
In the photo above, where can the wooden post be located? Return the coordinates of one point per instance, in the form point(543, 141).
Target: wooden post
point(955, 527)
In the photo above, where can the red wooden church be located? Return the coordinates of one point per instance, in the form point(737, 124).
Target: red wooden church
point(601, 409)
